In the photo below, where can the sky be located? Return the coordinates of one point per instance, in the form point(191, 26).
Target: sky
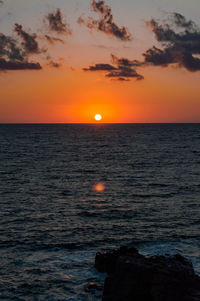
point(132, 61)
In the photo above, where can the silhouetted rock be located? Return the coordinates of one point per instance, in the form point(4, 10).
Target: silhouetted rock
point(134, 277)
point(92, 286)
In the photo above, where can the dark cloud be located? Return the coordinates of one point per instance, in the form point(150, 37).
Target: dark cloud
point(159, 57)
point(56, 23)
point(121, 71)
point(53, 40)
point(29, 41)
point(13, 57)
point(10, 49)
point(125, 73)
point(178, 47)
point(181, 21)
point(125, 68)
point(16, 65)
point(105, 22)
point(100, 67)
point(125, 63)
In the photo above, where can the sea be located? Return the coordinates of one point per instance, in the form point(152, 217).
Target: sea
point(53, 221)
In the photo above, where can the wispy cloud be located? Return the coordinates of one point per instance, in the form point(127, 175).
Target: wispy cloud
point(121, 69)
point(105, 23)
point(55, 64)
point(53, 40)
point(124, 74)
point(125, 63)
point(57, 24)
point(28, 40)
point(100, 67)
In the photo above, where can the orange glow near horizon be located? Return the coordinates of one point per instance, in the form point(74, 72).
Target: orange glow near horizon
point(49, 100)
point(90, 112)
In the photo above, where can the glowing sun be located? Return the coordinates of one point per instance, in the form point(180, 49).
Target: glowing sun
point(97, 117)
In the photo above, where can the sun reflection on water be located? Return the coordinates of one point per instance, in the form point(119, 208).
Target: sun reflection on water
point(99, 187)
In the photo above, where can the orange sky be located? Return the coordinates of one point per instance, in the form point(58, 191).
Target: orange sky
point(68, 94)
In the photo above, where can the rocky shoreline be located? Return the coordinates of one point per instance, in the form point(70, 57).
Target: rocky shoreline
point(135, 277)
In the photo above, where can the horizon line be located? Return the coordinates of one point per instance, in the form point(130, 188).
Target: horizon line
point(88, 123)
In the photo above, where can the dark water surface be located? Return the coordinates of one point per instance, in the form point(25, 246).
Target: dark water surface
point(52, 222)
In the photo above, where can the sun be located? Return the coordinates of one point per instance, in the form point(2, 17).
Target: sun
point(97, 117)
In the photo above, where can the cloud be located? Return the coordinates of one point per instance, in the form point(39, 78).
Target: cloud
point(13, 57)
point(159, 57)
point(181, 21)
point(100, 67)
point(124, 73)
point(124, 62)
point(54, 64)
point(29, 41)
point(53, 40)
point(16, 65)
point(105, 22)
point(178, 47)
point(121, 71)
point(56, 23)
point(10, 49)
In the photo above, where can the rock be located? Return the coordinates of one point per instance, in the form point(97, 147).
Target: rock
point(92, 286)
point(106, 261)
point(135, 277)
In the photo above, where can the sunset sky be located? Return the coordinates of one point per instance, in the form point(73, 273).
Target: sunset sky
point(130, 61)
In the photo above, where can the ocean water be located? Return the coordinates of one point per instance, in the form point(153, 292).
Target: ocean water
point(52, 221)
